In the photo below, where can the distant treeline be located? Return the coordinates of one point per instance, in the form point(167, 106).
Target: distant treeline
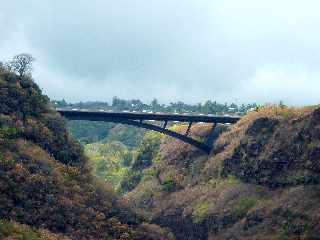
point(118, 104)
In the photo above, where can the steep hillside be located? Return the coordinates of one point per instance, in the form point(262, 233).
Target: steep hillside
point(45, 181)
point(261, 180)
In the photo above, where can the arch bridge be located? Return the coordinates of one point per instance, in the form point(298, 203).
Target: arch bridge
point(143, 120)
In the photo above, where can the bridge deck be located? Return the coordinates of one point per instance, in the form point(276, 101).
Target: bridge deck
point(103, 116)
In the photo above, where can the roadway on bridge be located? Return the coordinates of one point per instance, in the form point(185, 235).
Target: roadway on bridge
point(138, 116)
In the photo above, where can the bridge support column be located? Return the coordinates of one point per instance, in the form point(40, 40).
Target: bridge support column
point(165, 124)
point(189, 127)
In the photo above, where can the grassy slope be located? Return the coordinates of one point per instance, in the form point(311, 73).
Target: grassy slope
point(260, 182)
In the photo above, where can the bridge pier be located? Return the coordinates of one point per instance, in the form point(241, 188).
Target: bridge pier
point(189, 127)
point(165, 124)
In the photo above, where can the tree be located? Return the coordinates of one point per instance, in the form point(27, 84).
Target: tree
point(2, 67)
point(155, 105)
point(22, 63)
point(5, 67)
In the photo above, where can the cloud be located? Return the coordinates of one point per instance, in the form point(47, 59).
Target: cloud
point(172, 50)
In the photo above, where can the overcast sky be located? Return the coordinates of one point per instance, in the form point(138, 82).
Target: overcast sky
point(189, 50)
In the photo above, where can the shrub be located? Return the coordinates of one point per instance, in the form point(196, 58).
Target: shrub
point(130, 180)
point(243, 205)
point(8, 132)
point(168, 185)
point(127, 159)
point(230, 180)
point(149, 173)
point(147, 151)
point(200, 211)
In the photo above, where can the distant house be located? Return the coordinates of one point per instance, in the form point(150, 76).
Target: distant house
point(251, 109)
point(232, 109)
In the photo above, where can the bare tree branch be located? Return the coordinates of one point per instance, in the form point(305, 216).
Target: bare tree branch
point(22, 64)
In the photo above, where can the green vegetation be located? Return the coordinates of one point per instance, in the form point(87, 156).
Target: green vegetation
point(109, 161)
point(201, 211)
point(168, 184)
point(130, 180)
point(122, 163)
point(89, 131)
point(113, 149)
point(149, 173)
point(243, 205)
point(147, 150)
point(130, 136)
point(223, 181)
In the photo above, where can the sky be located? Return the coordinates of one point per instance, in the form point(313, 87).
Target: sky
point(189, 50)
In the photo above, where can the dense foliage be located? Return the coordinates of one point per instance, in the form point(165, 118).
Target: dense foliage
point(145, 154)
point(109, 161)
point(119, 163)
point(89, 131)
